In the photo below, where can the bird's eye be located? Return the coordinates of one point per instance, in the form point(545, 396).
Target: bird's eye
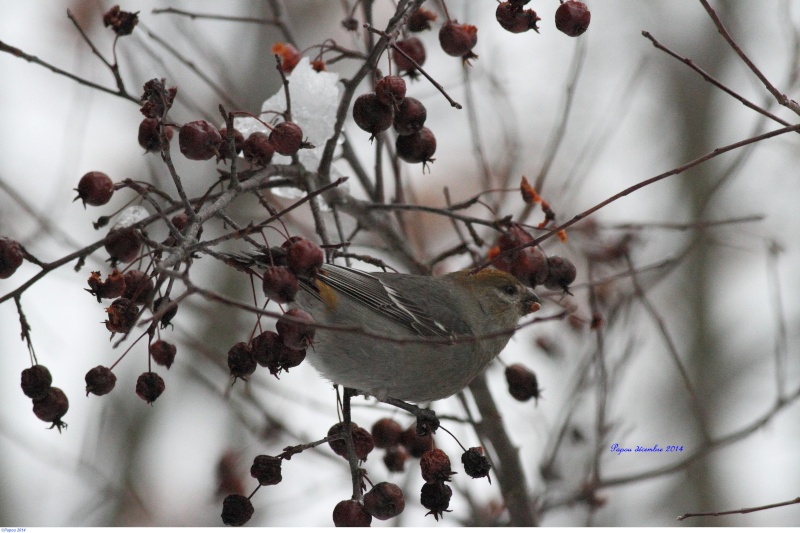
point(510, 290)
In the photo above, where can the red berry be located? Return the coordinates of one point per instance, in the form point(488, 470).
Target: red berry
point(149, 139)
point(435, 466)
point(240, 361)
point(123, 245)
point(266, 349)
point(458, 40)
point(149, 386)
point(351, 513)
point(512, 18)
point(112, 287)
point(420, 20)
point(362, 441)
point(371, 115)
point(289, 55)
point(257, 149)
point(561, 272)
point(280, 284)
point(522, 383)
point(138, 286)
point(417, 147)
point(395, 459)
point(122, 314)
point(409, 117)
point(386, 433)
point(414, 49)
point(236, 510)
point(100, 380)
point(286, 138)
point(436, 498)
point(573, 18)
point(52, 407)
point(10, 257)
point(121, 22)
point(163, 353)
point(238, 142)
point(267, 470)
point(36, 382)
point(95, 188)
point(476, 465)
point(304, 257)
point(384, 501)
point(391, 90)
point(416, 444)
point(199, 140)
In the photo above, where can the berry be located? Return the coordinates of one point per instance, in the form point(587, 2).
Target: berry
point(122, 314)
point(351, 513)
point(163, 353)
point(266, 349)
point(52, 407)
point(149, 139)
point(371, 115)
point(112, 287)
point(458, 40)
point(384, 501)
point(362, 441)
point(420, 20)
point(257, 149)
point(512, 18)
point(414, 49)
point(156, 98)
point(395, 459)
point(149, 386)
point(280, 284)
point(391, 90)
point(386, 433)
point(240, 361)
point(10, 257)
point(436, 498)
point(95, 188)
point(476, 464)
point(236, 510)
point(296, 328)
point(289, 55)
point(286, 138)
point(435, 466)
point(561, 272)
point(238, 142)
point(123, 245)
point(36, 382)
point(138, 286)
point(573, 18)
point(267, 470)
point(416, 444)
point(409, 117)
point(100, 380)
point(199, 140)
point(121, 22)
point(303, 257)
point(522, 383)
point(417, 147)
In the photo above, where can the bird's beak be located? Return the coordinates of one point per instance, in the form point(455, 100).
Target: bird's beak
point(531, 303)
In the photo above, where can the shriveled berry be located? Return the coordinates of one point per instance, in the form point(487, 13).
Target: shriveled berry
point(384, 501)
point(149, 386)
point(296, 328)
point(395, 459)
point(371, 115)
point(123, 245)
point(150, 139)
point(280, 284)
point(304, 257)
point(417, 147)
point(409, 117)
point(257, 149)
point(199, 140)
point(351, 513)
point(513, 18)
point(458, 40)
point(95, 188)
point(240, 361)
point(122, 315)
point(561, 272)
point(289, 55)
point(238, 142)
point(414, 49)
point(36, 382)
point(138, 286)
point(10, 257)
point(436, 498)
point(52, 407)
point(157, 99)
point(420, 20)
point(286, 138)
point(416, 444)
point(162, 303)
point(573, 18)
point(100, 380)
point(236, 510)
point(267, 470)
point(362, 441)
point(391, 90)
point(163, 353)
point(522, 383)
point(112, 287)
point(386, 433)
point(435, 466)
point(121, 22)
point(476, 465)
point(266, 349)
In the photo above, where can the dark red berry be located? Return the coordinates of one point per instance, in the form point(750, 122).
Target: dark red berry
point(417, 147)
point(362, 441)
point(238, 143)
point(149, 387)
point(163, 353)
point(121, 22)
point(123, 245)
point(100, 380)
point(296, 328)
point(289, 55)
point(391, 90)
point(420, 20)
point(257, 149)
point(561, 272)
point(458, 40)
point(522, 383)
point(240, 361)
point(304, 258)
point(95, 188)
point(157, 99)
point(573, 18)
point(414, 49)
point(436, 498)
point(409, 117)
point(416, 444)
point(476, 465)
point(36, 382)
point(384, 501)
point(513, 18)
point(10, 257)
point(199, 140)
point(112, 287)
point(435, 466)
point(52, 407)
point(180, 220)
point(351, 513)
point(290, 358)
point(236, 510)
point(138, 286)
point(395, 459)
point(386, 433)
point(149, 138)
point(286, 138)
point(267, 470)
point(280, 284)
point(122, 314)
point(530, 266)
point(266, 349)
point(371, 115)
